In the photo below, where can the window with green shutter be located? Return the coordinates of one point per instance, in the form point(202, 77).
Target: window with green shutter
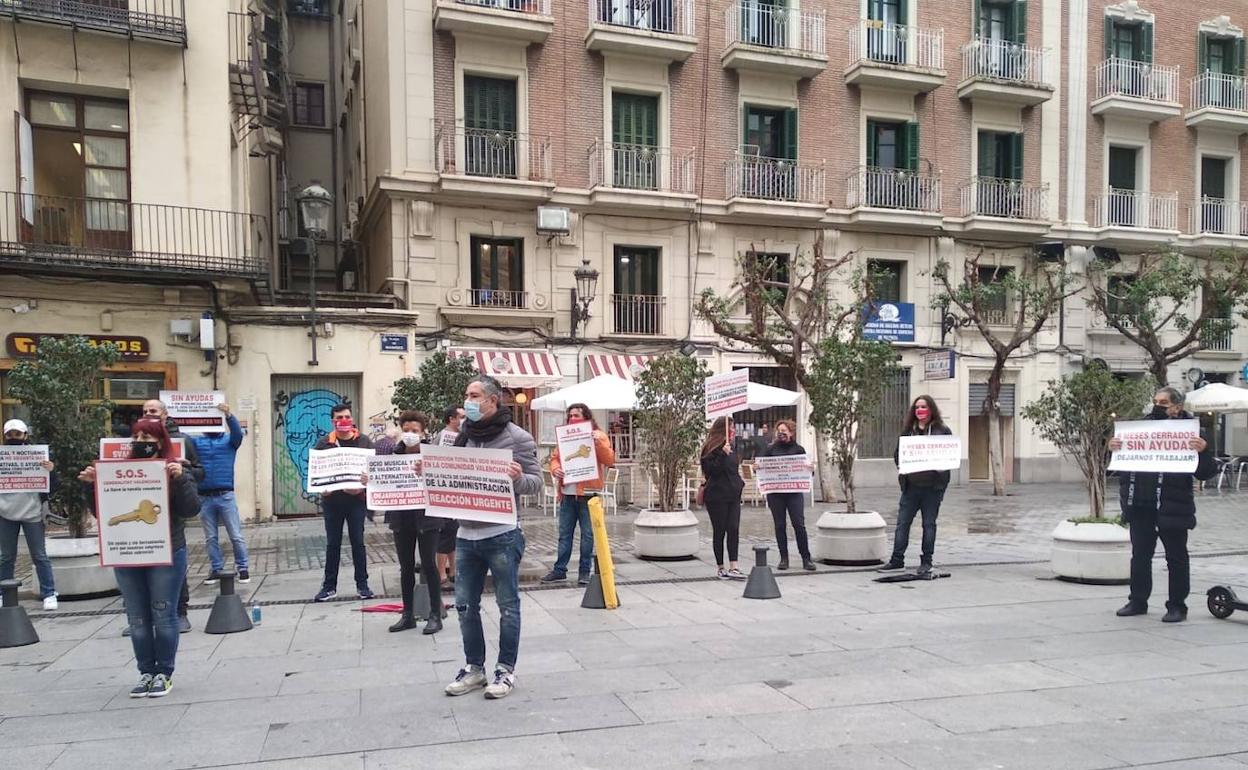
point(770, 133)
point(1130, 41)
point(893, 144)
point(1000, 155)
point(635, 140)
point(1003, 20)
point(490, 125)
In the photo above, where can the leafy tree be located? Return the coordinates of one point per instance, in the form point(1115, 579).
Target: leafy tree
point(1150, 302)
point(1077, 414)
point(439, 384)
point(56, 387)
point(670, 420)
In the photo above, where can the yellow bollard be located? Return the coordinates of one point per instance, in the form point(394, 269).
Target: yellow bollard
point(602, 552)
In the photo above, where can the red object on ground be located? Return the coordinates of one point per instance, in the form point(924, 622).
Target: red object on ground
point(383, 608)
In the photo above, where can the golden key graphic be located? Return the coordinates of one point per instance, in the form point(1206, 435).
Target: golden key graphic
point(581, 451)
point(147, 512)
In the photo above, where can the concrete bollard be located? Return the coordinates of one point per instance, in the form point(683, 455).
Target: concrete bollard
point(228, 616)
point(16, 630)
point(762, 582)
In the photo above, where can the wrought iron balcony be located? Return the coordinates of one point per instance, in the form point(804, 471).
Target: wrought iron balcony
point(670, 17)
point(88, 234)
point(640, 167)
point(1006, 198)
point(527, 20)
point(1215, 216)
point(775, 39)
point(1217, 334)
point(1219, 101)
point(158, 20)
point(638, 314)
point(500, 298)
point(480, 152)
point(246, 76)
point(893, 188)
point(776, 179)
point(1136, 90)
point(1004, 60)
point(1134, 208)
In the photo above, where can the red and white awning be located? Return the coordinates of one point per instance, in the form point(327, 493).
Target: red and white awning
point(516, 368)
point(622, 366)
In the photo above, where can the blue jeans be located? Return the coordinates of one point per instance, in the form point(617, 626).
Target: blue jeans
point(573, 511)
point(151, 596)
point(500, 557)
point(339, 509)
point(38, 554)
point(914, 500)
point(217, 511)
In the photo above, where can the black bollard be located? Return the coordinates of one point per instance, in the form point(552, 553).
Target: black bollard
point(762, 582)
point(229, 616)
point(16, 630)
point(420, 598)
point(594, 598)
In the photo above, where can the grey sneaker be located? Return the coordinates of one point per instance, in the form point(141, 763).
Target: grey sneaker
point(892, 566)
point(735, 574)
point(143, 688)
point(161, 686)
point(468, 679)
point(502, 685)
point(924, 569)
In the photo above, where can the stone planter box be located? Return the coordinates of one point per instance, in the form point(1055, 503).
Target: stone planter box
point(850, 538)
point(76, 568)
point(666, 534)
point(1098, 552)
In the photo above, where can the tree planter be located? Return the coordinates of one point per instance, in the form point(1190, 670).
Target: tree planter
point(76, 568)
point(851, 538)
point(666, 534)
point(1097, 553)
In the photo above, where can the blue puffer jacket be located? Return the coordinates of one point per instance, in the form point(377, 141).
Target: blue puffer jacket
point(216, 453)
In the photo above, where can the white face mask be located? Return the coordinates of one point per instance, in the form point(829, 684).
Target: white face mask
point(411, 439)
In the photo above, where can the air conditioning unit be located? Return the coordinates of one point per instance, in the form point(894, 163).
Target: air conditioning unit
point(553, 221)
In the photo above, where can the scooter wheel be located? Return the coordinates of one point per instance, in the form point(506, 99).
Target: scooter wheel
point(1220, 603)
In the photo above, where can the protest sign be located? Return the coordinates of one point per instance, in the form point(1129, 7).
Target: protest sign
point(195, 411)
point(132, 501)
point(928, 453)
point(447, 438)
point(331, 470)
point(576, 452)
point(395, 483)
point(1155, 446)
point(783, 474)
point(469, 484)
point(727, 393)
point(119, 448)
point(21, 469)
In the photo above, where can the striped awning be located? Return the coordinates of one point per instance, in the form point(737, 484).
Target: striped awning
point(516, 368)
point(619, 365)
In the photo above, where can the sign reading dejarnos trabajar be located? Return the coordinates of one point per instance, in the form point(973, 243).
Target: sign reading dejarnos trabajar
point(332, 470)
point(132, 501)
point(395, 483)
point(928, 453)
point(1155, 446)
point(21, 469)
point(783, 474)
point(469, 484)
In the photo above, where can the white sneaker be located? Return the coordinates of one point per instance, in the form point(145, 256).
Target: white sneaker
point(49, 603)
point(468, 679)
point(502, 685)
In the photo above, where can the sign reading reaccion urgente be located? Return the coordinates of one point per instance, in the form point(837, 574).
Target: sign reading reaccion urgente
point(26, 344)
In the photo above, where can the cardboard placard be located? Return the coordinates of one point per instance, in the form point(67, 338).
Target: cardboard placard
point(916, 454)
point(447, 438)
point(469, 484)
point(577, 455)
point(783, 474)
point(132, 500)
point(1155, 446)
point(727, 393)
point(119, 448)
point(21, 469)
point(339, 468)
point(195, 411)
point(395, 483)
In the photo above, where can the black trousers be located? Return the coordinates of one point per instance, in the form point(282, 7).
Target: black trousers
point(1144, 537)
point(406, 543)
point(725, 528)
point(784, 508)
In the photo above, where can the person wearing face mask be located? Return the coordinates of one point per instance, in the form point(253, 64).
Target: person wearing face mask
point(1162, 506)
point(721, 469)
point(344, 507)
point(218, 507)
point(23, 512)
point(574, 502)
point(921, 492)
point(789, 506)
point(151, 593)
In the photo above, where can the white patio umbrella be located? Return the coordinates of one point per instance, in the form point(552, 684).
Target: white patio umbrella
point(763, 396)
point(1217, 397)
point(606, 392)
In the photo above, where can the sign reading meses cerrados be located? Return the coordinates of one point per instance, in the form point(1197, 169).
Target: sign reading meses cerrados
point(132, 501)
point(1155, 446)
point(576, 452)
point(727, 393)
point(26, 345)
point(195, 411)
point(119, 448)
point(783, 474)
point(331, 470)
point(469, 484)
point(21, 469)
point(395, 483)
point(928, 453)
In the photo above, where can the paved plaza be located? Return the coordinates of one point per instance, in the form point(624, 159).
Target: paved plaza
point(998, 666)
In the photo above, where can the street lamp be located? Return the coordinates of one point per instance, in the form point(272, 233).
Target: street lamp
point(315, 206)
point(583, 294)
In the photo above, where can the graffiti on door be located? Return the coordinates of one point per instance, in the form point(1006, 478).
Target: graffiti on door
point(301, 419)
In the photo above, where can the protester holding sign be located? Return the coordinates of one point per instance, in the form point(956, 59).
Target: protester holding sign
point(579, 467)
point(151, 592)
point(1161, 505)
point(27, 470)
point(344, 505)
point(216, 493)
point(452, 420)
point(156, 409)
point(922, 491)
point(789, 506)
point(721, 469)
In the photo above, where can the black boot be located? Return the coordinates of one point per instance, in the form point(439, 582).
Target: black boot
point(433, 625)
point(784, 563)
point(1175, 615)
point(807, 564)
point(1131, 608)
point(405, 622)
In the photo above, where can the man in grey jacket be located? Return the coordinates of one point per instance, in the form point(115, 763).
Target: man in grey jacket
point(494, 548)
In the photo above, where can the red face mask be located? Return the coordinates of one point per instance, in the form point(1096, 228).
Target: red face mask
point(575, 420)
point(344, 425)
point(922, 412)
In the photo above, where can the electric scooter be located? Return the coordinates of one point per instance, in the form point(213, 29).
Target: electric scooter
point(1223, 601)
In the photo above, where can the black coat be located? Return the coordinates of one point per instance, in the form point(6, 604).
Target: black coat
point(782, 450)
point(1168, 496)
point(937, 479)
point(414, 519)
point(723, 477)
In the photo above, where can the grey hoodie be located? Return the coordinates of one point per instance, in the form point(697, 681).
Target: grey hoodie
point(21, 506)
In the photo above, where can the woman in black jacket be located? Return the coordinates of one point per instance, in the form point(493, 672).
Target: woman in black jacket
point(788, 505)
point(723, 496)
point(920, 492)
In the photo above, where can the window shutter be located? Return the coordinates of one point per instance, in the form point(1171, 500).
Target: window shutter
point(790, 134)
point(1202, 48)
point(912, 146)
point(1109, 37)
point(1239, 64)
point(977, 20)
point(1146, 43)
point(1020, 22)
point(745, 127)
point(985, 155)
point(872, 138)
point(1016, 157)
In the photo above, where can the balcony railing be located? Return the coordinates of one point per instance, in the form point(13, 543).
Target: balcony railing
point(1226, 92)
point(163, 20)
point(996, 313)
point(504, 298)
point(245, 73)
point(1133, 208)
point(1219, 217)
point(640, 167)
point(752, 176)
point(1004, 60)
point(893, 188)
point(896, 44)
point(638, 314)
point(1008, 198)
point(489, 153)
point(1139, 80)
point(672, 17)
point(536, 7)
point(769, 26)
point(1217, 334)
point(98, 233)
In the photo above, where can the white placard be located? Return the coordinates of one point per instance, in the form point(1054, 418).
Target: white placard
point(447, 438)
point(916, 454)
point(119, 448)
point(21, 469)
point(132, 501)
point(331, 470)
point(577, 455)
point(783, 474)
point(727, 393)
point(1156, 446)
point(195, 411)
point(469, 484)
point(395, 483)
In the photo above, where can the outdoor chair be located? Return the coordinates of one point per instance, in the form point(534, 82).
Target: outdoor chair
point(610, 484)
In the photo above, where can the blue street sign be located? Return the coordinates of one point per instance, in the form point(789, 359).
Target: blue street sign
point(394, 343)
point(890, 322)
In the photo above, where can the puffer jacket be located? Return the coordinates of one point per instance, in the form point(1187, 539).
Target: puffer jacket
point(523, 450)
point(1168, 496)
point(937, 479)
point(216, 453)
